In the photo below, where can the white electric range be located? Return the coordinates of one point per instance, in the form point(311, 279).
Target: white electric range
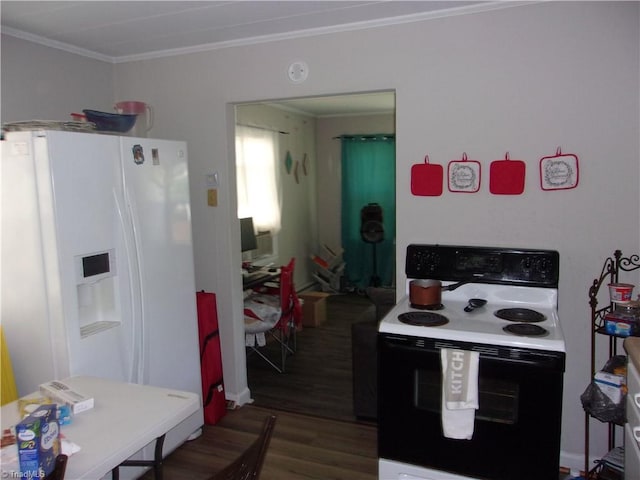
point(481, 325)
point(521, 348)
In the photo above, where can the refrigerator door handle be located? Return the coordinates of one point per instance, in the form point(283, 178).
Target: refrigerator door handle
point(136, 291)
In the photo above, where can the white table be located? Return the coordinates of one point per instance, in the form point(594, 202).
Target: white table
point(126, 417)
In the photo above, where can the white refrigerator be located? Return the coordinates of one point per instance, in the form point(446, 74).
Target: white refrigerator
point(97, 262)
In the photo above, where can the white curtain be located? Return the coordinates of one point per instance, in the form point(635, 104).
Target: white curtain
point(258, 179)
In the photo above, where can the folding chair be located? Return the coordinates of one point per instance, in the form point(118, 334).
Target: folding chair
point(276, 312)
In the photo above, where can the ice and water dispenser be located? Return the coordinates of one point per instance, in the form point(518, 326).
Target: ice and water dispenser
point(97, 292)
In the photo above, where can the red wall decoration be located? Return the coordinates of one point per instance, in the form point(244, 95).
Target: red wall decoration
point(559, 171)
point(506, 177)
point(464, 175)
point(426, 179)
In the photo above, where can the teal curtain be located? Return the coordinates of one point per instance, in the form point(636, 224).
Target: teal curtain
point(368, 176)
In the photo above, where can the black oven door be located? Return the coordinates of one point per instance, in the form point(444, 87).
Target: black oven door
point(517, 425)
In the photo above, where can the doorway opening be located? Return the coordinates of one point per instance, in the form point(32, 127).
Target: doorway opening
point(309, 132)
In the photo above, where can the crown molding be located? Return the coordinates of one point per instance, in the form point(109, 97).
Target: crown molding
point(47, 42)
point(383, 22)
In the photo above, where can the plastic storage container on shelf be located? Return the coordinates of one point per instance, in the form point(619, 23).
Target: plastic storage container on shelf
point(631, 308)
point(620, 292)
point(624, 320)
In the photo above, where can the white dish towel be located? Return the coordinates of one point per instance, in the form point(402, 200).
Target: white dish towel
point(459, 392)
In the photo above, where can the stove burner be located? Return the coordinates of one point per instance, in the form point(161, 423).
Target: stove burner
point(526, 330)
point(520, 315)
point(438, 306)
point(423, 319)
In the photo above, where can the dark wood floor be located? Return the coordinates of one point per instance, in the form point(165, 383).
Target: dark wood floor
point(317, 436)
point(318, 378)
point(302, 448)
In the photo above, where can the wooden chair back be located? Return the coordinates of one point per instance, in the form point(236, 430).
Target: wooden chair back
point(249, 465)
point(58, 471)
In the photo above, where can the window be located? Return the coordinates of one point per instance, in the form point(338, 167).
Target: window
point(258, 179)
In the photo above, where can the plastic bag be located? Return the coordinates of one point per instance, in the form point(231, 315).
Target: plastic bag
point(598, 404)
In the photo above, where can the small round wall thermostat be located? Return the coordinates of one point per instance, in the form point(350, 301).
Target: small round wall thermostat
point(298, 71)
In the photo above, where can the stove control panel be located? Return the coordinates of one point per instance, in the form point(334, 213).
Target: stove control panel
point(509, 266)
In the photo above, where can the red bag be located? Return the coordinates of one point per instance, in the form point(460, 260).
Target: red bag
point(213, 399)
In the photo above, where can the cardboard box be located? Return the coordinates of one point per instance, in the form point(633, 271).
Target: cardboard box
point(611, 385)
point(62, 393)
point(38, 438)
point(314, 308)
point(620, 324)
point(27, 405)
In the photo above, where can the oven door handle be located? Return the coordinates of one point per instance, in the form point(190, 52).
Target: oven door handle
point(554, 361)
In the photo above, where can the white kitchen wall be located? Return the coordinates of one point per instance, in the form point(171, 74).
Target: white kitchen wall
point(525, 79)
point(45, 84)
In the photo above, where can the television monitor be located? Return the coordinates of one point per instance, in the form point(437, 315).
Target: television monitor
point(247, 234)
